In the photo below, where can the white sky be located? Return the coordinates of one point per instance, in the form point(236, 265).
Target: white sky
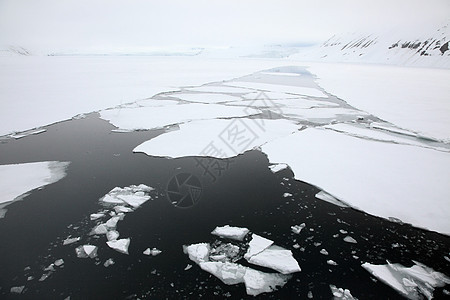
point(161, 23)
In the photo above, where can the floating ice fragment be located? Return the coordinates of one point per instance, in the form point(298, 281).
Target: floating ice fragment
point(349, 239)
point(287, 195)
point(86, 251)
point(340, 293)
point(257, 245)
point(120, 245)
point(342, 231)
point(152, 252)
point(298, 228)
point(235, 233)
point(109, 262)
point(59, 262)
point(276, 258)
point(188, 267)
point(329, 198)
point(324, 252)
point(17, 289)
point(112, 235)
point(111, 199)
point(96, 216)
point(277, 167)
point(134, 200)
point(331, 262)
point(112, 223)
point(122, 209)
point(69, 241)
point(197, 252)
point(257, 282)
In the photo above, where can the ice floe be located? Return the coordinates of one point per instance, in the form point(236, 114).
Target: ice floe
point(219, 89)
point(349, 239)
point(19, 135)
point(413, 282)
point(152, 252)
point(275, 168)
point(69, 240)
point(205, 97)
point(86, 251)
point(19, 179)
point(340, 293)
point(120, 245)
point(329, 198)
point(298, 228)
point(288, 89)
point(158, 117)
point(400, 181)
point(216, 138)
point(231, 232)
point(220, 259)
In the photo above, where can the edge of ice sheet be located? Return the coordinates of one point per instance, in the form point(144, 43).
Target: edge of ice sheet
point(410, 282)
point(18, 179)
point(215, 138)
point(386, 180)
point(279, 88)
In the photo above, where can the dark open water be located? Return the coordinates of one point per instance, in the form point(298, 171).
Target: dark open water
point(247, 195)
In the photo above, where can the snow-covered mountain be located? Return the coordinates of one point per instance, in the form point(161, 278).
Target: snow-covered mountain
point(430, 49)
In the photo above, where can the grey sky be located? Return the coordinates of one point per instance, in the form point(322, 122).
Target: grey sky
point(130, 23)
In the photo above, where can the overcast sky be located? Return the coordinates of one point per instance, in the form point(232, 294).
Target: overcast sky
point(139, 23)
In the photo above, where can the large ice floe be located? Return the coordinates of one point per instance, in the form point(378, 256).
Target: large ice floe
point(19, 179)
point(217, 138)
point(383, 179)
point(413, 283)
point(222, 256)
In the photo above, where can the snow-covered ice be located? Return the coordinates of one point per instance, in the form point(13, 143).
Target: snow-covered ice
point(329, 198)
point(278, 167)
point(257, 245)
point(279, 88)
point(159, 117)
point(205, 97)
point(119, 245)
point(229, 273)
point(19, 179)
point(231, 232)
point(340, 293)
point(197, 252)
point(276, 258)
point(411, 98)
point(69, 240)
point(413, 282)
point(219, 89)
point(86, 251)
point(216, 138)
point(257, 282)
point(383, 179)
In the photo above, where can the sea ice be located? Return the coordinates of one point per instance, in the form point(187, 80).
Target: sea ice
point(331, 262)
point(17, 289)
point(86, 251)
point(276, 258)
point(120, 245)
point(231, 232)
point(206, 97)
point(340, 293)
point(229, 273)
point(100, 229)
point(349, 239)
point(97, 216)
point(413, 283)
point(277, 167)
point(217, 138)
point(108, 262)
point(219, 89)
point(152, 252)
point(112, 222)
point(112, 235)
point(415, 174)
point(289, 89)
point(257, 245)
point(257, 282)
point(198, 252)
point(69, 241)
point(329, 198)
point(298, 228)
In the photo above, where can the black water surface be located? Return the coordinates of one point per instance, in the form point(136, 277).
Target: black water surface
point(247, 194)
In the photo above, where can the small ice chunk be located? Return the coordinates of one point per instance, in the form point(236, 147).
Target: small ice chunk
point(100, 229)
point(276, 258)
point(109, 262)
point(112, 235)
point(340, 293)
point(69, 241)
point(277, 167)
point(59, 262)
point(257, 282)
point(235, 233)
point(349, 239)
point(112, 222)
point(122, 209)
point(188, 267)
point(198, 252)
point(134, 200)
point(229, 273)
point(120, 245)
point(86, 251)
point(97, 216)
point(298, 228)
point(152, 252)
point(324, 252)
point(343, 231)
point(17, 289)
point(331, 262)
point(329, 198)
point(287, 195)
point(111, 199)
point(257, 245)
